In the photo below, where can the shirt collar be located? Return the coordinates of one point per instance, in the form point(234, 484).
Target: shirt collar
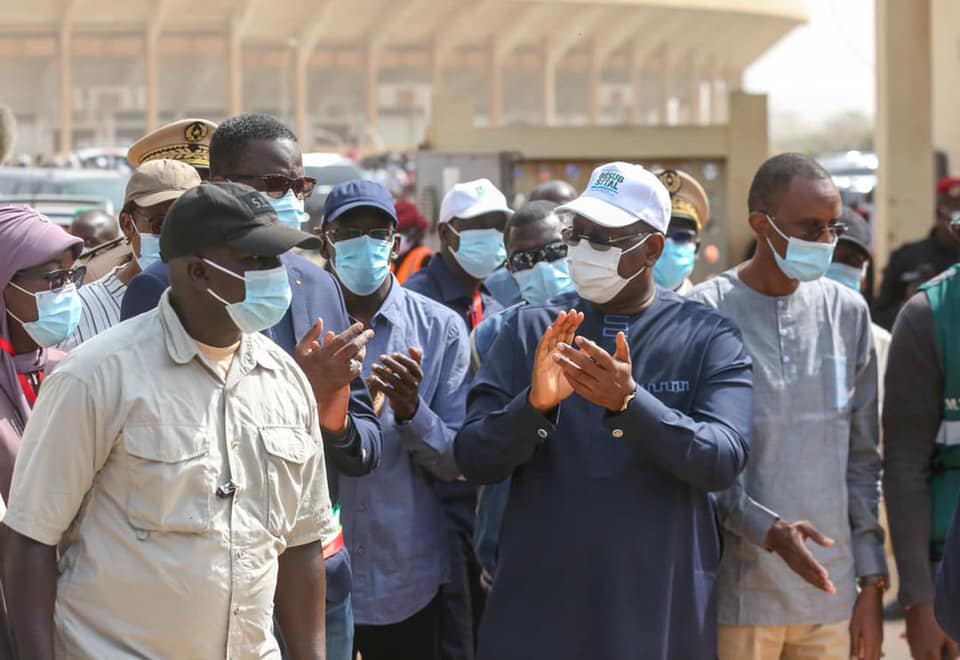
point(183, 348)
point(391, 309)
point(450, 288)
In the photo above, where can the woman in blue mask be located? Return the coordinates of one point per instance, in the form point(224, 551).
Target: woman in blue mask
point(38, 309)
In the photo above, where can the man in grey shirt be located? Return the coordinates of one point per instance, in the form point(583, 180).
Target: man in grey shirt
point(912, 414)
point(815, 431)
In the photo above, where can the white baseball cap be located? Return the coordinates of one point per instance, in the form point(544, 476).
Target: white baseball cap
point(473, 198)
point(620, 194)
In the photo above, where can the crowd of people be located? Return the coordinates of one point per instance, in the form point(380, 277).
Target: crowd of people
point(541, 441)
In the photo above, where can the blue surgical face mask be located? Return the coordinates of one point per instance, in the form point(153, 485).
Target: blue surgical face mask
point(362, 263)
point(806, 260)
point(149, 249)
point(265, 301)
point(546, 280)
point(58, 315)
point(289, 209)
point(481, 251)
point(848, 276)
point(675, 264)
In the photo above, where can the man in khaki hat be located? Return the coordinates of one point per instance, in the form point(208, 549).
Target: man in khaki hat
point(187, 140)
point(690, 212)
point(151, 191)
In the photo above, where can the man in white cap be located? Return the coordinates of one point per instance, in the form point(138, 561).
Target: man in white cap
point(472, 219)
point(609, 545)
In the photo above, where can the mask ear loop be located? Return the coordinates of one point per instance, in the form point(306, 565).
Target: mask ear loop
point(29, 293)
point(225, 270)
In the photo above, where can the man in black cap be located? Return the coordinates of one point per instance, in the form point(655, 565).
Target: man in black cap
point(184, 502)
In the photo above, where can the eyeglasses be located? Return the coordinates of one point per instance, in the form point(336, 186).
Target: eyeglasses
point(346, 233)
point(527, 259)
point(56, 279)
point(682, 236)
point(601, 244)
point(814, 234)
point(155, 223)
point(277, 185)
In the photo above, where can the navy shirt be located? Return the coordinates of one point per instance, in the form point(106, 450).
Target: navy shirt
point(393, 517)
point(610, 545)
point(315, 295)
point(438, 282)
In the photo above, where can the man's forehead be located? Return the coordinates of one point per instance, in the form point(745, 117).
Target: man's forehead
point(279, 156)
point(363, 216)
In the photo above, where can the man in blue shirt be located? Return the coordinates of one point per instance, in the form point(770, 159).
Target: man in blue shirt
point(418, 368)
point(537, 262)
point(260, 151)
point(614, 439)
point(472, 218)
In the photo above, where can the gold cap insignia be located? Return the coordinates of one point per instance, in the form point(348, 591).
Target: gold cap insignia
point(671, 180)
point(196, 132)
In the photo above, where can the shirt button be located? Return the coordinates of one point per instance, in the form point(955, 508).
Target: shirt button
point(363, 507)
point(786, 359)
point(235, 445)
point(783, 332)
point(542, 433)
point(239, 554)
point(780, 304)
point(617, 433)
point(236, 611)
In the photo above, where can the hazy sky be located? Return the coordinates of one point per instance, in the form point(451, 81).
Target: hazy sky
point(823, 68)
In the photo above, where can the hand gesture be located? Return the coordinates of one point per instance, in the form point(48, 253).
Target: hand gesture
point(789, 541)
point(597, 376)
point(398, 377)
point(330, 367)
point(866, 624)
point(549, 386)
point(925, 636)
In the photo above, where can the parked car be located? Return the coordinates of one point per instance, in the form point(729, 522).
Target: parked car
point(88, 183)
point(61, 209)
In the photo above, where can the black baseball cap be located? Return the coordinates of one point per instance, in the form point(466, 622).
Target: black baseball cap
point(858, 231)
point(232, 214)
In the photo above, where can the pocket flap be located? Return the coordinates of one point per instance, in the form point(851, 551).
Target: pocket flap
point(290, 443)
point(165, 443)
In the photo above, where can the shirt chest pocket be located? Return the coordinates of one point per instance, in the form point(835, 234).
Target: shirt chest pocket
point(288, 450)
point(171, 482)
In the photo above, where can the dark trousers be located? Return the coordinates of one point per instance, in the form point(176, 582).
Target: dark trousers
point(462, 601)
point(416, 638)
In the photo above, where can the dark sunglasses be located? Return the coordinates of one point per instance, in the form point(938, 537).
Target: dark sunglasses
point(56, 279)
point(682, 237)
point(527, 259)
point(277, 185)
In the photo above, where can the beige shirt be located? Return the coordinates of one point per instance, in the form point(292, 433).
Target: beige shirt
point(120, 465)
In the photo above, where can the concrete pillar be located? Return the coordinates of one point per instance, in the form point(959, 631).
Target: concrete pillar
point(373, 89)
point(594, 82)
point(945, 45)
point(151, 79)
point(66, 91)
point(301, 92)
point(495, 113)
point(669, 107)
point(549, 90)
point(747, 149)
point(904, 133)
point(637, 89)
point(436, 62)
point(235, 72)
point(696, 101)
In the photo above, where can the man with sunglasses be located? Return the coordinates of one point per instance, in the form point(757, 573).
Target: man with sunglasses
point(815, 436)
point(151, 190)
point(537, 260)
point(690, 211)
point(183, 505)
point(609, 543)
point(417, 367)
point(472, 219)
point(259, 150)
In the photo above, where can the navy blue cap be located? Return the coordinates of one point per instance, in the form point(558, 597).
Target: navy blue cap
point(357, 194)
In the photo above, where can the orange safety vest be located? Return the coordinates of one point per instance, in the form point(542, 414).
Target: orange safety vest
point(414, 261)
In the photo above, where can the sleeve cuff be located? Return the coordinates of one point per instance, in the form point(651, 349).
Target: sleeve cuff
point(28, 526)
point(420, 424)
point(869, 558)
point(757, 521)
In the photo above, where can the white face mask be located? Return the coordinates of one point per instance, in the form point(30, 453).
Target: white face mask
point(595, 273)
